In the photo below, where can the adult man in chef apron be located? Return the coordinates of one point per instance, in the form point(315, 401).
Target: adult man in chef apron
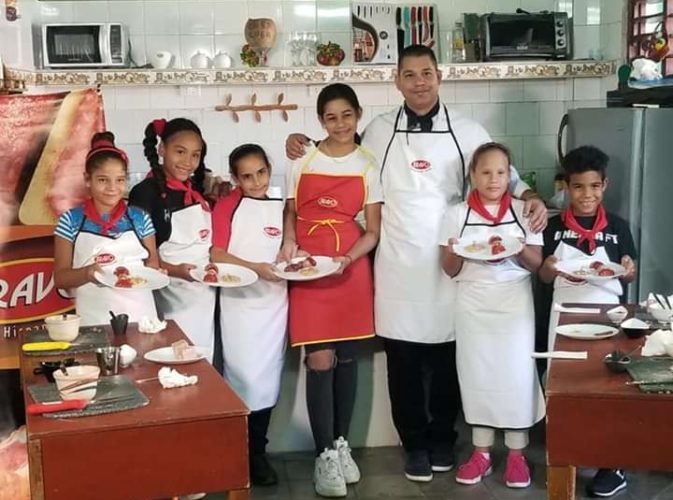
point(423, 152)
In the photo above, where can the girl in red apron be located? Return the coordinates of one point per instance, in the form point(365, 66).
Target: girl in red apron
point(326, 190)
point(248, 231)
point(172, 194)
point(495, 320)
point(104, 231)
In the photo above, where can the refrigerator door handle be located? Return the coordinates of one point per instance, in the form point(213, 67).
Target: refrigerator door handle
point(559, 138)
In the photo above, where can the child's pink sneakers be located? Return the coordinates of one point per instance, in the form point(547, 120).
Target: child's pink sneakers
point(517, 473)
point(472, 471)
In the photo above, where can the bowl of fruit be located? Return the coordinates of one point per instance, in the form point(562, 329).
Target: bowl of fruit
point(330, 54)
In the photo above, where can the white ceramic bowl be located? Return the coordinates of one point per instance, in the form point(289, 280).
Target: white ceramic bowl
point(617, 315)
point(75, 374)
point(660, 314)
point(63, 327)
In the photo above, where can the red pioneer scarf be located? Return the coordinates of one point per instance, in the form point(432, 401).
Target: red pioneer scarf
point(475, 203)
point(92, 214)
point(191, 194)
point(571, 223)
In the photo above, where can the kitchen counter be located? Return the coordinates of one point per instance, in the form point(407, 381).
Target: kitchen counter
point(512, 70)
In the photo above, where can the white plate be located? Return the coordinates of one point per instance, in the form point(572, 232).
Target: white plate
point(166, 356)
point(154, 279)
point(245, 275)
point(587, 331)
point(580, 269)
point(324, 267)
point(465, 248)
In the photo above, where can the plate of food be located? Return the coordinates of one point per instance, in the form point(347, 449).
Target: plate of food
point(587, 331)
point(224, 275)
point(590, 269)
point(306, 268)
point(132, 278)
point(178, 353)
point(496, 247)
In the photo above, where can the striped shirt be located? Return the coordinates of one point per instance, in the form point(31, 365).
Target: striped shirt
point(73, 221)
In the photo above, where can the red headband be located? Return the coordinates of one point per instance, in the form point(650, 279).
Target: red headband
point(105, 145)
point(159, 125)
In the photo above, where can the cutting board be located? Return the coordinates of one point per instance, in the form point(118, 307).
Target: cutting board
point(114, 386)
point(656, 370)
point(89, 339)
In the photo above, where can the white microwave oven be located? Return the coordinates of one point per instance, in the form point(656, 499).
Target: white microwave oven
point(85, 45)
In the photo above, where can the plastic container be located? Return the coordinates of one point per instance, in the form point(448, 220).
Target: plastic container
point(458, 44)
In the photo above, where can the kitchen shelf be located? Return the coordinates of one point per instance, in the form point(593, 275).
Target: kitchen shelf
point(512, 70)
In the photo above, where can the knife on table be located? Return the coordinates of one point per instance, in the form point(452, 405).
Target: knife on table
point(71, 404)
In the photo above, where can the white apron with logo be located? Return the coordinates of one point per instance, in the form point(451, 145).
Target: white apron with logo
point(189, 303)
point(604, 292)
point(421, 176)
point(92, 301)
point(495, 335)
point(253, 318)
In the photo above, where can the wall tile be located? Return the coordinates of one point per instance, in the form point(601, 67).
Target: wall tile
point(539, 152)
point(523, 118)
point(165, 98)
point(56, 12)
point(539, 90)
point(462, 109)
point(230, 17)
point(613, 11)
point(196, 20)
point(274, 10)
point(505, 91)
point(550, 116)
point(162, 18)
point(586, 40)
point(87, 12)
point(515, 145)
point(299, 15)
point(170, 43)
point(537, 5)
point(472, 92)
point(133, 97)
point(491, 116)
point(131, 13)
point(447, 93)
point(587, 88)
point(333, 15)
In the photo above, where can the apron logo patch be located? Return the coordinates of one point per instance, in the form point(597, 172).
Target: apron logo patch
point(421, 165)
point(327, 202)
point(104, 258)
point(273, 232)
point(203, 234)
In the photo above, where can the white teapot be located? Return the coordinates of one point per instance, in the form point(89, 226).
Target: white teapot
point(222, 60)
point(200, 60)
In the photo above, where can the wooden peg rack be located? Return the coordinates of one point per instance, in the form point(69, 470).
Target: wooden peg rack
point(256, 108)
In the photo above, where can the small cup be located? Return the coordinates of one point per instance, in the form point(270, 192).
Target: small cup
point(108, 360)
point(119, 324)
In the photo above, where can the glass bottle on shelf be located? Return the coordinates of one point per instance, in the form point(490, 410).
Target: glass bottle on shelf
point(458, 44)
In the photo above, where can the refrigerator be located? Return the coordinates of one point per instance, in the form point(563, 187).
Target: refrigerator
point(639, 142)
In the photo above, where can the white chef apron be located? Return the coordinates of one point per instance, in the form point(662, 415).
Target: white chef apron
point(93, 302)
point(253, 319)
point(189, 303)
point(604, 292)
point(414, 297)
point(495, 336)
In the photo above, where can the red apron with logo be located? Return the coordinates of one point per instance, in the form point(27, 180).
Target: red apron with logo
point(339, 307)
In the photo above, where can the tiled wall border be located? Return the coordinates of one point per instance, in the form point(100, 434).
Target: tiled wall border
point(514, 70)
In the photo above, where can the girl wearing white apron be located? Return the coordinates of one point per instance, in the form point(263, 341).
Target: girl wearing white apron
point(495, 319)
point(248, 231)
point(585, 230)
point(172, 194)
point(104, 232)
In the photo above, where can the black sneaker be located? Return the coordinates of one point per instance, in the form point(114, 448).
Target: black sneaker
point(606, 483)
point(261, 472)
point(418, 466)
point(442, 459)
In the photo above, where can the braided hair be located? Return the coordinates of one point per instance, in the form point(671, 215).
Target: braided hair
point(162, 129)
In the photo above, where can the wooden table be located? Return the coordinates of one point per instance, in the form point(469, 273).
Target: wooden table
point(186, 440)
point(595, 420)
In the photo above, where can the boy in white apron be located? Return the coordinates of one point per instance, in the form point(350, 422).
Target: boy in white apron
point(172, 194)
point(104, 231)
point(586, 230)
point(248, 231)
point(495, 318)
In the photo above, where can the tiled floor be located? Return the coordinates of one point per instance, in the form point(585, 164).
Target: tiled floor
point(382, 477)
